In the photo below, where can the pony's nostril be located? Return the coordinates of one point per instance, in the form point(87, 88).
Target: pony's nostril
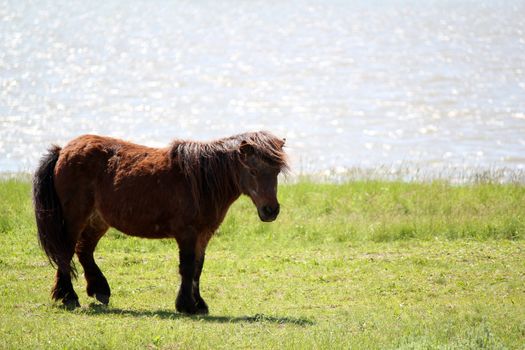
point(267, 210)
point(270, 211)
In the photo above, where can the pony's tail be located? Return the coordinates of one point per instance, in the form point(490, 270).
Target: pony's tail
point(52, 233)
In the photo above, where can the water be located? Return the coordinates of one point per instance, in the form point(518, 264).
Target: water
point(424, 84)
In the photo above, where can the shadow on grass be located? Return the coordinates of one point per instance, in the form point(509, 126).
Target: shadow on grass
point(97, 309)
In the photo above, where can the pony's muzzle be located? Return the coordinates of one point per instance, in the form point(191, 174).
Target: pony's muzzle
point(268, 213)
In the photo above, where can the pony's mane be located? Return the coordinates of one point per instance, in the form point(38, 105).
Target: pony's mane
point(212, 168)
point(268, 147)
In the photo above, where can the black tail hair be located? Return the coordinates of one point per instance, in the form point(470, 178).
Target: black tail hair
point(52, 233)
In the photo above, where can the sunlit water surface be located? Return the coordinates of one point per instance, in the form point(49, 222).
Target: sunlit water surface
point(422, 84)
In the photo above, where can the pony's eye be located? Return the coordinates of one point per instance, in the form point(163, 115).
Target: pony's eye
point(253, 172)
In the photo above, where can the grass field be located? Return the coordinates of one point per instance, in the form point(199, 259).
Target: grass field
point(365, 265)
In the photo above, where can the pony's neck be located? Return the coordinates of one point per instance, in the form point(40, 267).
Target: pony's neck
point(211, 170)
point(220, 177)
point(228, 188)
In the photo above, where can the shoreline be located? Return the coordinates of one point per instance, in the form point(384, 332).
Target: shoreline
point(405, 174)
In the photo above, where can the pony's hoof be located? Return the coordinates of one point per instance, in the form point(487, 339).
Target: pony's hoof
point(103, 298)
point(186, 309)
point(186, 306)
point(70, 304)
point(202, 310)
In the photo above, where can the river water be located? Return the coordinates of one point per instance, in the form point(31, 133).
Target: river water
point(423, 84)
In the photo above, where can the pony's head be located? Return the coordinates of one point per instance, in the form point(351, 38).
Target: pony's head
point(262, 159)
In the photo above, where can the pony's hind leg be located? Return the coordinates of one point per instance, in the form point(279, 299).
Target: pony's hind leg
point(63, 287)
point(97, 285)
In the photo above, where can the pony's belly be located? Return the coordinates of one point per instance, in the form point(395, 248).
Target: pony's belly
point(143, 225)
point(151, 230)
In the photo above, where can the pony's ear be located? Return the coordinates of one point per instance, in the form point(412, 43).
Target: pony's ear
point(246, 149)
point(283, 141)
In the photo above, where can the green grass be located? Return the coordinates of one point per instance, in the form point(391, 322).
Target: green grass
point(366, 265)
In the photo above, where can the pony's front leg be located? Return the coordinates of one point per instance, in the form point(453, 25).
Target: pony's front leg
point(202, 307)
point(185, 300)
point(191, 255)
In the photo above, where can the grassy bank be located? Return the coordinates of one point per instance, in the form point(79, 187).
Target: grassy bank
point(368, 264)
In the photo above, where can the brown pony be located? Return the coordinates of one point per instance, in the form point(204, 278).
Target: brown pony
point(182, 192)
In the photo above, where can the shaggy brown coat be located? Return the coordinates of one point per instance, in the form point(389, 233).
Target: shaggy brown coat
point(182, 192)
